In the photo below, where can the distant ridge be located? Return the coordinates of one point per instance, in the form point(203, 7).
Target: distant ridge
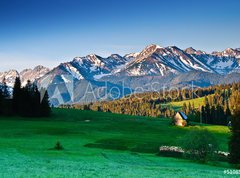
point(161, 64)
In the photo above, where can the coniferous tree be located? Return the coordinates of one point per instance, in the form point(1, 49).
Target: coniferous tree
point(193, 107)
point(219, 115)
point(212, 115)
point(153, 103)
point(184, 107)
point(36, 103)
point(5, 90)
point(1, 101)
point(189, 108)
point(17, 95)
point(206, 100)
point(207, 113)
point(24, 108)
point(6, 104)
point(45, 109)
point(25, 101)
point(234, 143)
point(203, 118)
point(228, 114)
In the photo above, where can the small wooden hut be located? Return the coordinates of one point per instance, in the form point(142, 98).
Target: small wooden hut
point(180, 119)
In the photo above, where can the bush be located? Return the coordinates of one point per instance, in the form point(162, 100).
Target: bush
point(194, 117)
point(58, 146)
point(171, 151)
point(199, 145)
point(223, 156)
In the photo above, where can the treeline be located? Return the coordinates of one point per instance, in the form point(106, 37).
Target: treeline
point(154, 104)
point(23, 101)
point(234, 143)
point(215, 112)
point(217, 108)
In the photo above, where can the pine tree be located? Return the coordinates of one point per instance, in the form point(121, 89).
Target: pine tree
point(193, 107)
point(35, 100)
point(184, 107)
point(204, 120)
point(17, 95)
point(24, 108)
point(220, 115)
point(234, 143)
point(1, 101)
point(212, 119)
point(45, 105)
point(5, 90)
point(228, 114)
point(189, 108)
point(27, 105)
point(208, 114)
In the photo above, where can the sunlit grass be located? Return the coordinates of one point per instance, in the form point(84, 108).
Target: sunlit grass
point(97, 144)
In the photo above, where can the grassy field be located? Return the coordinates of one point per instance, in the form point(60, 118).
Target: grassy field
point(97, 145)
point(178, 105)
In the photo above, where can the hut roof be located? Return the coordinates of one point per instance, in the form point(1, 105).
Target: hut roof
point(183, 115)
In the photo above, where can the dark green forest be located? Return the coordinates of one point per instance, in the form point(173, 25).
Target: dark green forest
point(219, 103)
point(23, 101)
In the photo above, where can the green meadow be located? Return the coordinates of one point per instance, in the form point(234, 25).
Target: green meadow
point(98, 145)
point(179, 104)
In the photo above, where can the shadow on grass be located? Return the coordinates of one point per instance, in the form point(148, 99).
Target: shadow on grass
point(146, 148)
point(119, 144)
point(112, 144)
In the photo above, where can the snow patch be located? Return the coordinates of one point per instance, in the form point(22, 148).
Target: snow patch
point(99, 76)
point(75, 73)
point(65, 79)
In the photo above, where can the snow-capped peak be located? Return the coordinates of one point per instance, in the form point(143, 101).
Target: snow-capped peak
point(148, 51)
point(229, 52)
point(94, 57)
point(88, 60)
point(190, 50)
point(152, 60)
point(153, 47)
point(33, 74)
point(25, 75)
point(131, 56)
point(9, 77)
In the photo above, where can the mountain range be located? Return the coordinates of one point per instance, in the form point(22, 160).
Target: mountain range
point(116, 76)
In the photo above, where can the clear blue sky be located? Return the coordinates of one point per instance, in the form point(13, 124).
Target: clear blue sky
point(48, 32)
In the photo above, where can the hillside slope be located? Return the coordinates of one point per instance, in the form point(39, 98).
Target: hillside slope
point(96, 144)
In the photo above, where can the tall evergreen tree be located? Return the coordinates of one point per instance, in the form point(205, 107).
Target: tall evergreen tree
point(36, 102)
point(212, 116)
point(208, 113)
point(228, 114)
point(5, 90)
point(234, 143)
point(184, 107)
point(1, 101)
point(203, 117)
point(17, 95)
point(45, 109)
point(189, 108)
